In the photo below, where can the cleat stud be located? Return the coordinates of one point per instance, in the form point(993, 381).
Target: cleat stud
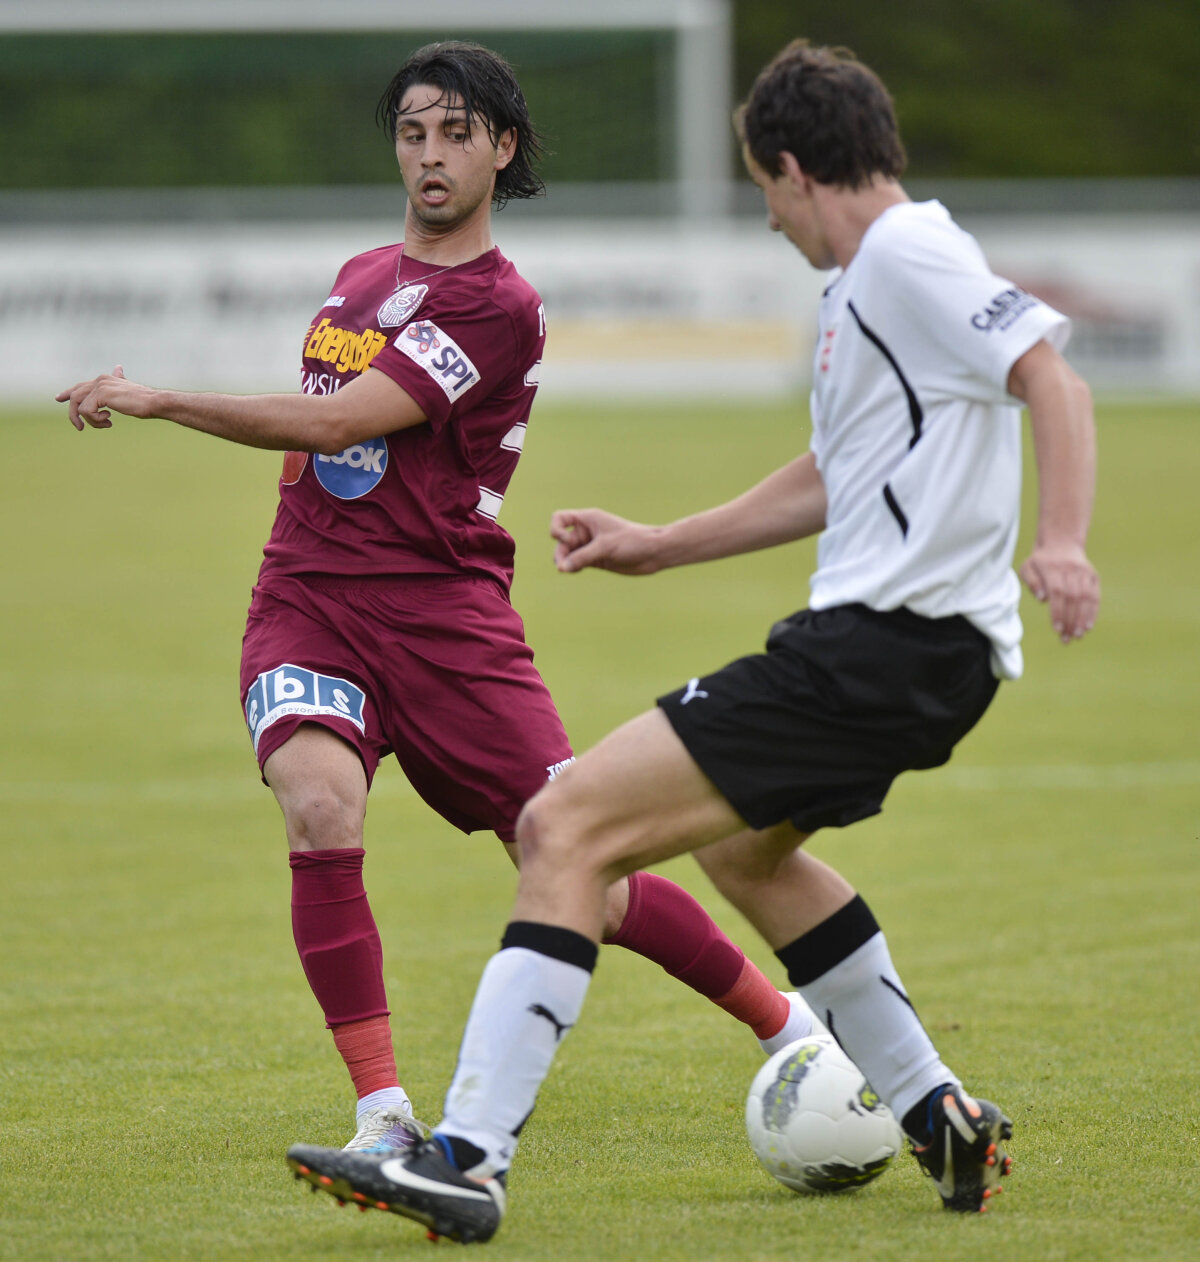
point(363, 1209)
point(991, 1161)
point(432, 1237)
point(381, 1204)
point(341, 1203)
point(325, 1180)
point(303, 1170)
point(991, 1148)
point(359, 1197)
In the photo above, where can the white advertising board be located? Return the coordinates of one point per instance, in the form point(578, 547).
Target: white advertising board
point(633, 308)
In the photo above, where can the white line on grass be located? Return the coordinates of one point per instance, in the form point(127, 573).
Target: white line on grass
point(168, 792)
point(1088, 777)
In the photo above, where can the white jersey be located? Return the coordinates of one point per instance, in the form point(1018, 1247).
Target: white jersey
point(914, 432)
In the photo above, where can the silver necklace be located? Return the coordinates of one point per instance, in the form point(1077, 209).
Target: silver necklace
point(403, 284)
point(401, 305)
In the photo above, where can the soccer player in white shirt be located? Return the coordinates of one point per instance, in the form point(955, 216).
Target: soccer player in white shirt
point(923, 361)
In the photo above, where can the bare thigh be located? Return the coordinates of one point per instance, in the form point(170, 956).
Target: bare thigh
point(636, 799)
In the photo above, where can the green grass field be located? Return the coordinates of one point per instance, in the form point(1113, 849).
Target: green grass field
point(160, 1046)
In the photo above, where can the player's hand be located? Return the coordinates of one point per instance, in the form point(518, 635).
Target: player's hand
point(1061, 575)
point(93, 402)
point(592, 537)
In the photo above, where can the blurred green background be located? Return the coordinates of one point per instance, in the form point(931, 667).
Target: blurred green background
point(1032, 88)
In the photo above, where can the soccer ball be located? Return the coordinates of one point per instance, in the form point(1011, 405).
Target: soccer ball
point(814, 1122)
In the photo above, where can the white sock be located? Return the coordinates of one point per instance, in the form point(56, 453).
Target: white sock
point(863, 1002)
point(801, 1022)
point(387, 1098)
point(525, 1003)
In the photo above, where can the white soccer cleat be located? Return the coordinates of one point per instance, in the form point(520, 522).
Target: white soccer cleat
point(386, 1128)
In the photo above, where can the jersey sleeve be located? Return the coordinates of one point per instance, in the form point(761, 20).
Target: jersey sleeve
point(980, 323)
point(451, 357)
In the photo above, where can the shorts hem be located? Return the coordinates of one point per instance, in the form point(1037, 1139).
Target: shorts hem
point(282, 731)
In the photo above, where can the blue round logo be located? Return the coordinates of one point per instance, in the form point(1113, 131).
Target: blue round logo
point(352, 473)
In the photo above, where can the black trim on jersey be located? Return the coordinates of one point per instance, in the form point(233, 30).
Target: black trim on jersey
point(916, 415)
point(893, 503)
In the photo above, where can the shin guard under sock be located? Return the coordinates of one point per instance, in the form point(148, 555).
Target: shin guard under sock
point(529, 996)
point(843, 969)
point(336, 935)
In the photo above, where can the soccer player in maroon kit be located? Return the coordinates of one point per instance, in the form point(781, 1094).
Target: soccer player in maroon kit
point(381, 620)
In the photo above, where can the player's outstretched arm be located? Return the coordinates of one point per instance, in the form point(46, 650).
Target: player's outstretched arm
point(1058, 571)
point(788, 504)
point(367, 407)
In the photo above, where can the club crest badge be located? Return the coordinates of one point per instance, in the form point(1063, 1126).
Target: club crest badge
point(399, 308)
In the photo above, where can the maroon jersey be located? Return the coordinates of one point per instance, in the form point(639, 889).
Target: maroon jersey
point(466, 343)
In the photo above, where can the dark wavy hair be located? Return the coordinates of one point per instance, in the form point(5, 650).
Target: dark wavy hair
point(485, 85)
point(829, 111)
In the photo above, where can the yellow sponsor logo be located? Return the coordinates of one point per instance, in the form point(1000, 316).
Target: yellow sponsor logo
point(346, 351)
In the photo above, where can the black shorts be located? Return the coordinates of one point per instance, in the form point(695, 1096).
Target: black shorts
point(843, 700)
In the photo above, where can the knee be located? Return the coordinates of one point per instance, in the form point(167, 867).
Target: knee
point(729, 879)
point(317, 817)
point(550, 831)
point(536, 832)
point(747, 861)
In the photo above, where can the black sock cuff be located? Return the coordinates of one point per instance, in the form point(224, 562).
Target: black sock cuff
point(824, 947)
point(551, 940)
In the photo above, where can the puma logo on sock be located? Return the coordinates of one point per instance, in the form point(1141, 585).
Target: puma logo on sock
point(539, 1010)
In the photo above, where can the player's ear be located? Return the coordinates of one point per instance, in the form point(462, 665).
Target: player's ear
point(792, 169)
point(506, 148)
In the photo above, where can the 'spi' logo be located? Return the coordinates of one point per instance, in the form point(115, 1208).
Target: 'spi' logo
point(434, 350)
point(425, 336)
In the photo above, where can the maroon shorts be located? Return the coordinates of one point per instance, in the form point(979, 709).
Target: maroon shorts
point(435, 670)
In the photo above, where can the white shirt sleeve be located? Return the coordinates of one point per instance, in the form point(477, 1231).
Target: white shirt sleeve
point(979, 324)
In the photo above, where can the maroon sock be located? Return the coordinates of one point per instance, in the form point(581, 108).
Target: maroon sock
point(336, 935)
point(666, 924)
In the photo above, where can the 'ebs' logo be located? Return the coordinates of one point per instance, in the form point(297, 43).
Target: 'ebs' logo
point(353, 472)
point(286, 690)
point(441, 357)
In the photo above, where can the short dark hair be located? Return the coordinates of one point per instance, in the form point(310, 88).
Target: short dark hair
point(829, 111)
point(485, 85)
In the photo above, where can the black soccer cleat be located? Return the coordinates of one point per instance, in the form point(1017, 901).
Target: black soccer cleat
point(964, 1156)
point(418, 1183)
